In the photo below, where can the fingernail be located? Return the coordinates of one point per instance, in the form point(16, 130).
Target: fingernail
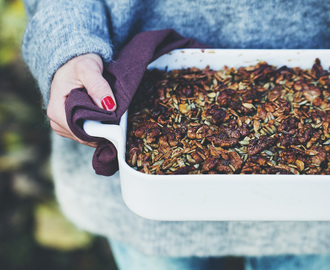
point(108, 103)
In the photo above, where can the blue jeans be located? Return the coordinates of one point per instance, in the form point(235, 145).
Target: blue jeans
point(128, 258)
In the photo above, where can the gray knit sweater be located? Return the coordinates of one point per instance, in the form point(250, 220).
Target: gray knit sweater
point(60, 30)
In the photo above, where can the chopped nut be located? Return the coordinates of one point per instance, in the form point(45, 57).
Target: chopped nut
point(300, 165)
point(183, 108)
point(250, 120)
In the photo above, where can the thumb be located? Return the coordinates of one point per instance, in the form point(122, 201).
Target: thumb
point(100, 91)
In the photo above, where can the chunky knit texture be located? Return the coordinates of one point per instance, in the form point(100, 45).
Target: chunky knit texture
point(60, 30)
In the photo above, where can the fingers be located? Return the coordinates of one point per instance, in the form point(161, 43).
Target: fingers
point(81, 71)
point(56, 113)
point(64, 133)
point(99, 90)
point(58, 120)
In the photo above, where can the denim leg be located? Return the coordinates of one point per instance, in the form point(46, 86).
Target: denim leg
point(128, 258)
point(288, 262)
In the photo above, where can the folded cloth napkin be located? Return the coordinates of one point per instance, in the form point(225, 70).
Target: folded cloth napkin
point(124, 75)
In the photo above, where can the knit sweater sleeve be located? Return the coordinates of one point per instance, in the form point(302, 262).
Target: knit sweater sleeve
point(60, 30)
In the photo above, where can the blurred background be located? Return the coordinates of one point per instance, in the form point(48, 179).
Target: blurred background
point(33, 232)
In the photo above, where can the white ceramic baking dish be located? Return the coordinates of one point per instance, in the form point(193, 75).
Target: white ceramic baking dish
point(221, 197)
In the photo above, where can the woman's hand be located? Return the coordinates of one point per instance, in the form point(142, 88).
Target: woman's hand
point(81, 71)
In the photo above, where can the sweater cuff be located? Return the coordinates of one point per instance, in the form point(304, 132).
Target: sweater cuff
point(60, 32)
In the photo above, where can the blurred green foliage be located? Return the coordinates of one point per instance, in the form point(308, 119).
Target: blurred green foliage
point(34, 234)
point(12, 24)
point(53, 230)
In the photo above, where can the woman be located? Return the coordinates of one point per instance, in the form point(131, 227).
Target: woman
point(66, 44)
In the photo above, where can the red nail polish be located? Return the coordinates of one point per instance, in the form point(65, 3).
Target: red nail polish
point(108, 103)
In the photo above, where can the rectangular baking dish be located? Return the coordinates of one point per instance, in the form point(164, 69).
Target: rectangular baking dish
point(221, 197)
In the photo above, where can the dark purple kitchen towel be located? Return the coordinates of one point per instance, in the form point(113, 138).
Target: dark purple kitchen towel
point(124, 75)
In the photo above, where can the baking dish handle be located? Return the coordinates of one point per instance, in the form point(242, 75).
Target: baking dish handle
point(113, 133)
